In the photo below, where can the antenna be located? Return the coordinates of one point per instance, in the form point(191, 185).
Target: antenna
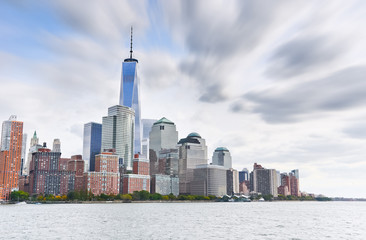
point(131, 44)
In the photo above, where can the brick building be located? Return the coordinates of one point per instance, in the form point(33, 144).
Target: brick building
point(140, 179)
point(106, 178)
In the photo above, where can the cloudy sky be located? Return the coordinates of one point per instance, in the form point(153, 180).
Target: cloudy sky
point(280, 83)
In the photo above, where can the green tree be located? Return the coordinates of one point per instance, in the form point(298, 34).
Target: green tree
point(156, 196)
point(172, 197)
point(165, 197)
point(19, 196)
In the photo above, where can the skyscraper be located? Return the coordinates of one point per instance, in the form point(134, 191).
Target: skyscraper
point(130, 95)
point(92, 143)
point(10, 156)
point(34, 146)
point(222, 157)
point(265, 181)
point(192, 152)
point(56, 145)
point(145, 143)
point(24, 151)
point(118, 134)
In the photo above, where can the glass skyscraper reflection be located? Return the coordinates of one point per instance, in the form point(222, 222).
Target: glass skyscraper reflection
point(130, 95)
point(92, 143)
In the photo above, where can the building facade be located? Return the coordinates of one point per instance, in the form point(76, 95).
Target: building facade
point(130, 95)
point(118, 133)
point(209, 180)
point(140, 179)
point(10, 156)
point(145, 142)
point(192, 152)
point(265, 181)
point(92, 144)
point(222, 157)
point(106, 178)
point(165, 184)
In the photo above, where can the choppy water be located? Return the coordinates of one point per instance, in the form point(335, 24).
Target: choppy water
point(264, 220)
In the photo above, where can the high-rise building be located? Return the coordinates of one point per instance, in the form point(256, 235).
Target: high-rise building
point(24, 152)
point(192, 152)
point(265, 181)
point(163, 136)
point(294, 183)
point(145, 143)
point(232, 181)
point(130, 95)
point(10, 156)
point(106, 178)
point(34, 146)
point(76, 164)
point(222, 157)
point(92, 143)
point(209, 180)
point(45, 177)
point(243, 175)
point(118, 133)
point(56, 145)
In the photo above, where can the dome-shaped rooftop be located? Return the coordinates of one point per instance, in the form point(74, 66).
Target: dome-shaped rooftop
point(194, 134)
point(221, 149)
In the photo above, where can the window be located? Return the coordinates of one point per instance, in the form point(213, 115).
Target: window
point(161, 127)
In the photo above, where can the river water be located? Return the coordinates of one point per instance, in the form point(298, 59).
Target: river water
point(255, 220)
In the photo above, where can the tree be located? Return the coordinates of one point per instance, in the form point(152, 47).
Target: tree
point(19, 196)
point(156, 196)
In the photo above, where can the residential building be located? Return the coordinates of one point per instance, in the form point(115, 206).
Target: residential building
point(106, 178)
point(232, 181)
point(265, 181)
point(140, 179)
point(10, 156)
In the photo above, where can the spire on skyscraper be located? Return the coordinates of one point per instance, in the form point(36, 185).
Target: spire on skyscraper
point(131, 44)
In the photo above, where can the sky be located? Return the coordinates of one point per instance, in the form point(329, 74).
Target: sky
point(279, 83)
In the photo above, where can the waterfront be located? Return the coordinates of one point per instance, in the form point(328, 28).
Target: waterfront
point(266, 220)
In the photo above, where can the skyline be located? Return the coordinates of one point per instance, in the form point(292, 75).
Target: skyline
point(61, 67)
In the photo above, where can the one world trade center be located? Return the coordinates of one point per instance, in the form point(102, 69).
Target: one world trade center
point(130, 94)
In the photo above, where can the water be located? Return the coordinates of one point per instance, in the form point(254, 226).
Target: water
point(264, 220)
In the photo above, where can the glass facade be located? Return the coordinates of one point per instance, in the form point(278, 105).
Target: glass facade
point(118, 133)
point(130, 97)
point(91, 144)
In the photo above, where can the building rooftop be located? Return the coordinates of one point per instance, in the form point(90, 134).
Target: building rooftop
point(163, 120)
point(193, 134)
point(220, 149)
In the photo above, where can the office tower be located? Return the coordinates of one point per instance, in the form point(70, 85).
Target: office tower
point(118, 133)
point(163, 135)
point(222, 157)
point(34, 146)
point(145, 143)
point(92, 143)
point(232, 181)
point(140, 179)
point(265, 181)
point(168, 162)
point(243, 175)
point(10, 156)
point(192, 152)
point(24, 150)
point(56, 145)
point(106, 178)
point(45, 177)
point(209, 180)
point(130, 95)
